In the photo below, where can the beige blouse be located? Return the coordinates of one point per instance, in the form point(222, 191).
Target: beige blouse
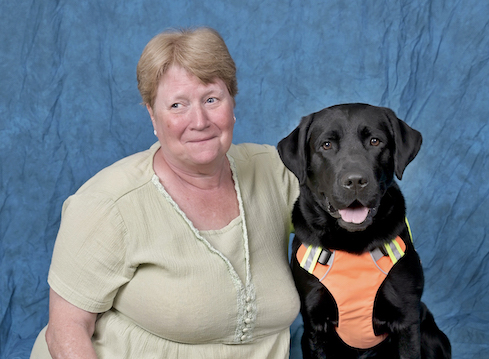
point(166, 290)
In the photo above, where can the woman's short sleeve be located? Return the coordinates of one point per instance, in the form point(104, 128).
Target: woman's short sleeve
point(289, 180)
point(89, 258)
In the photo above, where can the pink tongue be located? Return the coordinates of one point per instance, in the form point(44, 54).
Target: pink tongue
point(354, 215)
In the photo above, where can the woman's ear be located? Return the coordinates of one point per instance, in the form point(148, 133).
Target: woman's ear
point(150, 111)
point(151, 114)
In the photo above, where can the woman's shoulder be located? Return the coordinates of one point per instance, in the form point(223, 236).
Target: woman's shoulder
point(261, 165)
point(248, 151)
point(252, 158)
point(122, 176)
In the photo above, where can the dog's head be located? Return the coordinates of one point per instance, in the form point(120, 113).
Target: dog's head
point(347, 156)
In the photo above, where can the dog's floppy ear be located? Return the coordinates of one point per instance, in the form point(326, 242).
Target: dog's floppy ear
point(293, 149)
point(407, 141)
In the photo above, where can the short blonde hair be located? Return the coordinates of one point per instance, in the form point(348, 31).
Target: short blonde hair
point(202, 52)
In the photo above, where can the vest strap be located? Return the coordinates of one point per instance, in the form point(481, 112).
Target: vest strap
point(377, 253)
point(311, 256)
point(394, 251)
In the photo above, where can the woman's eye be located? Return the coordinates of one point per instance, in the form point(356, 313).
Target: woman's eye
point(327, 145)
point(175, 105)
point(374, 141)
point(211, 100)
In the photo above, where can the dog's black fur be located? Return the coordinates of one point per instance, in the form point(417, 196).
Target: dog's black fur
point(347, 156)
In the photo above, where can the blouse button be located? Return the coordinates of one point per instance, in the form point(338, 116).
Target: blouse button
point(247, 320)
point(243, 337)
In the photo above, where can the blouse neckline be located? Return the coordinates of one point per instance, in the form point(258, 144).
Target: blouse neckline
point(246, 291)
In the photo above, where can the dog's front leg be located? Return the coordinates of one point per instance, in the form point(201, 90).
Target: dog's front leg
point(319, 314)
point(313, 344)
point(410, 342)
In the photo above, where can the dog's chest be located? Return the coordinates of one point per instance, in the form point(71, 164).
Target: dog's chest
point(353, 280)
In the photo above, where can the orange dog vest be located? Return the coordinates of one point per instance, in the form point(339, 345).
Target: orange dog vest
point(354, 281)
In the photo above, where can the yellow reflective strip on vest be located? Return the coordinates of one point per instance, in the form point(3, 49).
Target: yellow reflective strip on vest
point(315, 259)
point(306, 255)
point(399, 249)
point(409, 228)
point(310, 258)
point(390, 253)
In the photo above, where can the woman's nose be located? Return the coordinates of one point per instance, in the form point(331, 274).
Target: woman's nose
point(200, 119)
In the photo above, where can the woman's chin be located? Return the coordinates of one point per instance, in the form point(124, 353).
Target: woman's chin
point(205, 154)
point(207, 157)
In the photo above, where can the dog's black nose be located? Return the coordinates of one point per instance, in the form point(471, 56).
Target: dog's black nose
point(354, 181)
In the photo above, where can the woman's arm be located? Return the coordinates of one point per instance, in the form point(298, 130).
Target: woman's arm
point(70, 330)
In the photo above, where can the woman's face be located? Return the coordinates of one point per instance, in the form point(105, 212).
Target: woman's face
point(194, 122)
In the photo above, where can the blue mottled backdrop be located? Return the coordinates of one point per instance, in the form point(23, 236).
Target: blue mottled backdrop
point(69, 106)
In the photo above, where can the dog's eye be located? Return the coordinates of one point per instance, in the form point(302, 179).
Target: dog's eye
point(374, 141)
point(327, 145)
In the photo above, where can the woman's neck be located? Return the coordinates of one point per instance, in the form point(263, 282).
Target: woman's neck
point(205, 177)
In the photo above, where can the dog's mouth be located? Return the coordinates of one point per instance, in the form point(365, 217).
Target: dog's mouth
point(355, 217)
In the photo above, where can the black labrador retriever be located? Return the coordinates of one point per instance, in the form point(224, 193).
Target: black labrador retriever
point(358, 275)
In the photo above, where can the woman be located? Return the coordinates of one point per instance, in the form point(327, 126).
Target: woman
point(179, 251)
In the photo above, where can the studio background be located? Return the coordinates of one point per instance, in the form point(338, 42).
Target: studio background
point(69, 106)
